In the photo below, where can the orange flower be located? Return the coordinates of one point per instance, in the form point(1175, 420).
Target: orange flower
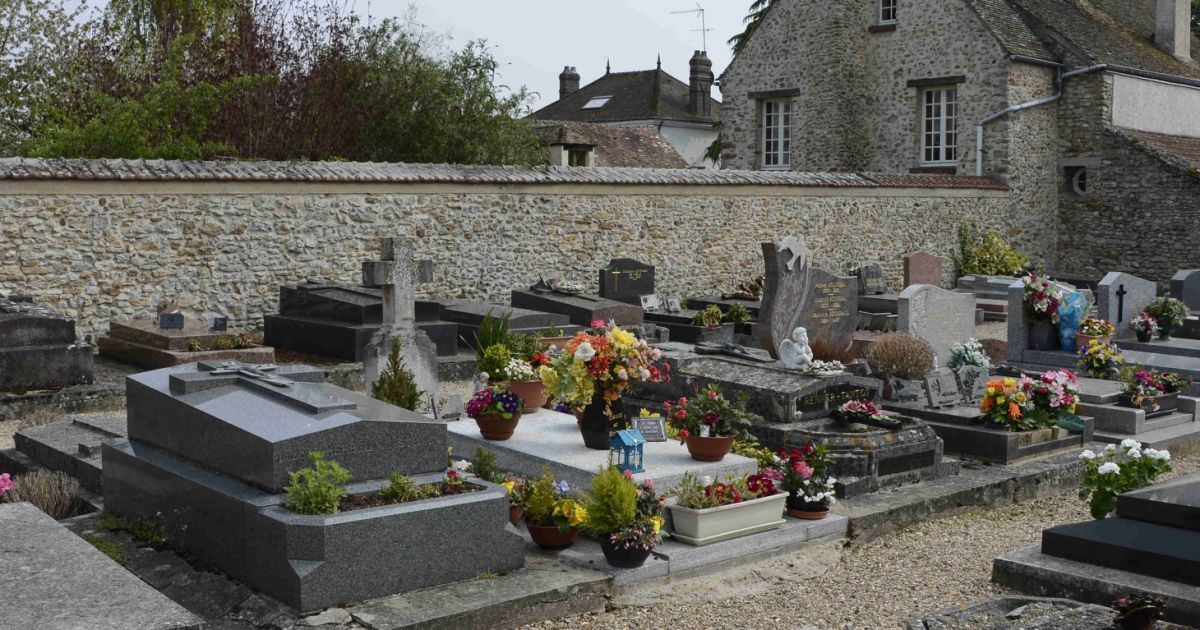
point(1013, 410)
point(986, 404)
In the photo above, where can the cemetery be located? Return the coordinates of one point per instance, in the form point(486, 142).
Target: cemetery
point(497, 439)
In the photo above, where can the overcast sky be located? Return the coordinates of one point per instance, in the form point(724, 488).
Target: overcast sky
point(534, 39)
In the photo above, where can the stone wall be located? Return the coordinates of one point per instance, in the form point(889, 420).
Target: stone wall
point(112, 249)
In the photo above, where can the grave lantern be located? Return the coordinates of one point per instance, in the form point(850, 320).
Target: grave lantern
point(628, 450)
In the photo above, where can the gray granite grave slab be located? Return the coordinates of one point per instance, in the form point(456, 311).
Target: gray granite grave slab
point(1185, 286)
point(581, 309)
point(785, 287)
point(626, 280)
point(54, 580)
point(1120, 297)
point(923, 268)
point(324, 318)
point(258, 433)
point(38, 349)
point(942, 318)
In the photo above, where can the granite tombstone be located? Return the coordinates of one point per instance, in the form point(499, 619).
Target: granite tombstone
point(1185, 286)
point(1120, 297)
point(870, 280)
point(923, 268)
point(942, 318)
point(784, 291)
point(626, 280)
point(829, 311)
point(39, 350)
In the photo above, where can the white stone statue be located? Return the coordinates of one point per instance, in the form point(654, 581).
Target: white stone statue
point(795, 352)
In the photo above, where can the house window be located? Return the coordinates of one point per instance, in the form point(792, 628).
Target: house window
point(939, 126)
point(777, 134)
point(597, 103)
point(1077, 181)
point(579, 157)
point(887, 11)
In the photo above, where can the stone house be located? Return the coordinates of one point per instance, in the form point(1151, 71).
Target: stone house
point(684, 113)
point(1088, 109)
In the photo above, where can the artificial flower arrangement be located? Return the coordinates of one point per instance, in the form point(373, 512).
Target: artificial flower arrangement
point(1168, 311)
point(705, 493)
point(1145, 386)
point(1145, 325)
point(1093, 327)
point(969, 352)
point(1100, 359)
point(1023, 403)
point(1118, 470)
point(608, 361)
point(806, 478)
point(1042, 298)
point(866, 412)
point(552, 515)
point(624, 515)
point(823, 367)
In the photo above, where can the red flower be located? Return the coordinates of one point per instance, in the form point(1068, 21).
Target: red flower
point(806, 449)
point(684, 434)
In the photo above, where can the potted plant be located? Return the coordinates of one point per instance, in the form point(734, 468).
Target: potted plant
point(625, 516)
point(552, 517)
point(739, 315)
point(552, 337)
point(496, 411)
point(1116, 470)
point(1145, 326)
point(901, 359)
point(866, 412)
point(1150, 390)
point(1025, 404)
point(1042, 298)
point(706, 511)
point(1092, 329)
point(1100, 359)
point(484, 466)
point(710, 316)
point(708, 422)
point(1170, 314)
point(593, 372)
point(525, 383)
point(1138, 612)
point(806, 479)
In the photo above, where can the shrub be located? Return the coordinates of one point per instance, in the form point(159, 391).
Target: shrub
point(404, 488)
point(710, 316)
point(494, 361)
point(52, 492)
point(492, 331)
point(396, 384)
point(225, 343)
point(900, 355)
point(319, 489)
point(193, 345)
point(988, 255)
point(612, 503)
point(738, 314)
point(484, 466)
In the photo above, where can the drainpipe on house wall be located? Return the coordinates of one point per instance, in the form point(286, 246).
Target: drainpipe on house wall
point(1058, 92)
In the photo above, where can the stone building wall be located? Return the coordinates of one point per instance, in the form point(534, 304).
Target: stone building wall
point(103, 250)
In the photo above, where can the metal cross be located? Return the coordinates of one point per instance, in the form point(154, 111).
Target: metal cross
point(1121, 293)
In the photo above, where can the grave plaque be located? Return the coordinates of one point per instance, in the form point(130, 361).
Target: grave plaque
point(942, 318)
point(941, 388)
point(651, 302)
point(1120, 297)
point(1185, 286)
point(653, 428)
point(219, 324)
point(170, 321)
point(834, 396)
point(673, 305)
point(870, 280)
point(972, 383)
point(829, 311)
point(626, 280)
point(923, 268)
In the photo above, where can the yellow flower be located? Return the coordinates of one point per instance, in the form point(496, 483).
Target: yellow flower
point(657, 521)
point(991, 391)
point(645, 413)
point(508, 485)
point(622, 337)
point(1010, 382)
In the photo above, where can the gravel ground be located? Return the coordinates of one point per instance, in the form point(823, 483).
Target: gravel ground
point(917, 570)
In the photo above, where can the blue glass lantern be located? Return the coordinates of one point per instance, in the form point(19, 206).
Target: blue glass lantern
point(628, 448)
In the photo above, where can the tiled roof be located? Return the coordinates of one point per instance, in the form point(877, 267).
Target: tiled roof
point(638, 146)
point(1015, 35)
point(1114, 32)
point(1184, 152)
point(376, 172)
point(643, 95)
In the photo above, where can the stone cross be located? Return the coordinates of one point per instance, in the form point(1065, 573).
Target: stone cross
point(260, 378)
point(393, 275)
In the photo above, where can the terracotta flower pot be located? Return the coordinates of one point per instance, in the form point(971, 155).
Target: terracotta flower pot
point(801, 509)
point(709, 449)
point(533, 393)
point(495, 428)
point(549, 537)
point(1082, 341)
point(554, 342)
point(623, 557)
point(515, 514)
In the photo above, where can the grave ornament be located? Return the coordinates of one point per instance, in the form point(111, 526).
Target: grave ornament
point(795, 352)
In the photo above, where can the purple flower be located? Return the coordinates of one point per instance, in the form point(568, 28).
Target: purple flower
point(563, 487)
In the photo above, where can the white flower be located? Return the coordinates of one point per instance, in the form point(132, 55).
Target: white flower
point(706, 481)
point(645, 375)
point(1131, 443)
point(584, 352)
point(462, 464)
point(1087, 455)
point(1111, 448)
point(829, 482)
point(1133, 453)
point(1159, 455)
point(1109, 468)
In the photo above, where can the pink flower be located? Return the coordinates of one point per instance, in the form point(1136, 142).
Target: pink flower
point(599, 323)
point(6, 483)
point(803, 469)
point(629, 475)
point(712, 394)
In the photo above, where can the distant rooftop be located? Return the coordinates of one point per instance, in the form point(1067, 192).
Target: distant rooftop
point(642, 95)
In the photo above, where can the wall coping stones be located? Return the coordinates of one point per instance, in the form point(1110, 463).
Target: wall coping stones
point(17, 169)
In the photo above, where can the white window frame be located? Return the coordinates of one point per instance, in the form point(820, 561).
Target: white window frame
point(887, 11)
point(596, 102)
point(938, 138)
point(776, 134)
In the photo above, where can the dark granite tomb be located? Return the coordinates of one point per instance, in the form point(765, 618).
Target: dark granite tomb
point(39, 350)
point(626, 280)
point(581, 309)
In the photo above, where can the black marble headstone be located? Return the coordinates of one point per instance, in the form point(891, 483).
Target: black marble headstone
point(870, 280)
point(626, 280)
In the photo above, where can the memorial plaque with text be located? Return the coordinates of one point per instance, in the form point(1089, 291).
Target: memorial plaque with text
point(830, 310)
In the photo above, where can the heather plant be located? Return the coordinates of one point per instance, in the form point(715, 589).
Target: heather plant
point(900, 355)
point(52, 492)
point(319, 489)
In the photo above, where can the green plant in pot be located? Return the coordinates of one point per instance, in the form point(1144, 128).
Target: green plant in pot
point(710, 316)
point(552, 516)
point(738, 314)
point(708, 422)
point(625, 516)
point(1170, 314)
point(527, 355)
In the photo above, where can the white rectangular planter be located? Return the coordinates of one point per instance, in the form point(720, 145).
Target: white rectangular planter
point(702, 527)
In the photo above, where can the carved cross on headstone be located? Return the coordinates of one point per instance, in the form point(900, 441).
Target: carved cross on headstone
point(292, 390)
point(1121, 293)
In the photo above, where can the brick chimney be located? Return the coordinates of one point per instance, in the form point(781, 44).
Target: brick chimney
point(700, 84)
point(1173, 28)
point(568, 81)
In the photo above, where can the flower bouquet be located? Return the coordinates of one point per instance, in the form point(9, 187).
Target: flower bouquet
point(1118, 470)
point(866, 412)
point(708, 422)
point(806, 479)
point(592, 373)
point(1170, 314)
point(1100, 359)
point(552, 517)
point(1042, 301)
point(1024, 404)
point(1145, 326)
point(707, 511)
point(1151, 390)
point(496, 410)
point(1092, 329)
